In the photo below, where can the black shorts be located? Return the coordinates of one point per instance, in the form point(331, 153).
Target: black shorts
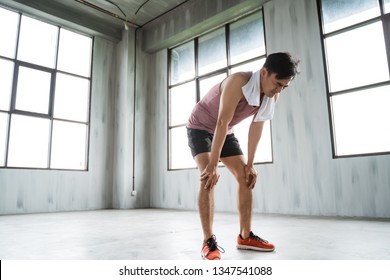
point(200, 141)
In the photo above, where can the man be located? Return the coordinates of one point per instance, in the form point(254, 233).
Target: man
point(211, 139)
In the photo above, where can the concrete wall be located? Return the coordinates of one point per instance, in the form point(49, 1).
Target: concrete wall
point(192, 19)
point(304, 178)
point(123, 168)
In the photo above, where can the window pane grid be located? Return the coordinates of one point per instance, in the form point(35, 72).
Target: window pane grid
point(348, 56)
point(9, 22)
point(4, 117)
point(28, 142)
point(182, 63)
point(339, 14)
point(68, 152)
point(44, 95)
point(375, 126)
point(33, 90)
point(6, 80)
point(211, 57)
point(74, 58)
point(357, 75)
point(212, 51)
point(44, 43)
point(251, 31)
point(181, 100)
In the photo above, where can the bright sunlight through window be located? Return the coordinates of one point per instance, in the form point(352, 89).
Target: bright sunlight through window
point(358, 75)
point(45, 77)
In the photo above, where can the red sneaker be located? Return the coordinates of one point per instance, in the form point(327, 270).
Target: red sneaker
point(253, 242)
point(211, 250)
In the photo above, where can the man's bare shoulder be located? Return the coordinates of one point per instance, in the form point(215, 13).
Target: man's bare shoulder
point(239, 78)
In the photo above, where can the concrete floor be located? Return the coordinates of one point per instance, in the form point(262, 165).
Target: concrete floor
point(154, 234)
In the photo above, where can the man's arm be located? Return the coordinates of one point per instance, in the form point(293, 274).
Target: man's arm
point(254, 135)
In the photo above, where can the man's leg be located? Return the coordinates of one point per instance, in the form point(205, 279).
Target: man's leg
point(246, 239)
point(236, 165)
point(210, 249)
point(205, 199)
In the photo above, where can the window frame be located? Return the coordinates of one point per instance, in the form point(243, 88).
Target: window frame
point(12, 110)
point(385, 21)
point(199, 77)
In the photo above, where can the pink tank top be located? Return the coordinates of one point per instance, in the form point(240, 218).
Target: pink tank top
point(205, 113)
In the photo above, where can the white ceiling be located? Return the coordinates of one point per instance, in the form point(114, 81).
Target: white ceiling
point(104, 17)
point(138, 12)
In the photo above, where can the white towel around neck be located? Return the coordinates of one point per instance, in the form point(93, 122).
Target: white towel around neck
point(251, 92)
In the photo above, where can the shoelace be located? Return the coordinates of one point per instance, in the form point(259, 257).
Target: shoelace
point(254, 236)
point(212, 244)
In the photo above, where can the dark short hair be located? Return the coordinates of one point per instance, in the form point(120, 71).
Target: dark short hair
point(283, 64)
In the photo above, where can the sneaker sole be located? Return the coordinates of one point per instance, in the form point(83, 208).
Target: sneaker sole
point(206, 259)
point(246, 247)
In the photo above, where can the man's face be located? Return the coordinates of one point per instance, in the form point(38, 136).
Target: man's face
point(270, 85)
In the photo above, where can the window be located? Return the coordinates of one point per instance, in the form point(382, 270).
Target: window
point(45, 76)
point(198, 65)
point(212, 52)
point(356, 43)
